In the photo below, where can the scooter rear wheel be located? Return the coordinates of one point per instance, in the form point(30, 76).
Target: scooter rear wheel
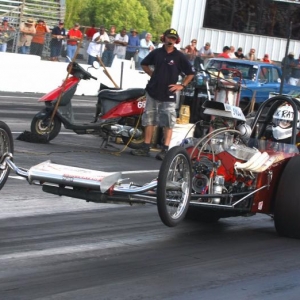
point(134, 143)
point(6, 146)
point(40, 127)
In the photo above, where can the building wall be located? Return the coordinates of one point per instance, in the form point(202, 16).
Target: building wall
point(188, 16)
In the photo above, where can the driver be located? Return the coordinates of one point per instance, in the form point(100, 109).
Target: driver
point(282, 124)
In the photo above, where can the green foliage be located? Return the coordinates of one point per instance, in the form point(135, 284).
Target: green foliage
point(144, 15)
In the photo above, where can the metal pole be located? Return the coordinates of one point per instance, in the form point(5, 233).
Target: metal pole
point(21, 12)
point(285, 57)
point(121, 80)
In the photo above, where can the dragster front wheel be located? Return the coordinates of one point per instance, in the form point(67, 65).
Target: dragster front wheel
point(174, 186)
point(6, 146)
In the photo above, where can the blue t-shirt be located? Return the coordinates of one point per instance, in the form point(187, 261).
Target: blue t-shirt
point(167, 68)
point(133, 41)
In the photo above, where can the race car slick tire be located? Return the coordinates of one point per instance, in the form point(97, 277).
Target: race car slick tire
point(174, 186)
point(287, 201)
point(6, 146)
point(40, 128)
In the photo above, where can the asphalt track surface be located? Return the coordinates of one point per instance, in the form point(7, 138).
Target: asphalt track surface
point(55, 247)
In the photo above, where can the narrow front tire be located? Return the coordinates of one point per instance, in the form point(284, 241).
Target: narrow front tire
point(174, 186)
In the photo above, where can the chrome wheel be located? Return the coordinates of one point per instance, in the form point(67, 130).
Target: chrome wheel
point(174, 186)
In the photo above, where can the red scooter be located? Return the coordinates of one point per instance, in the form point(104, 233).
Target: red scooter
point(117, 112)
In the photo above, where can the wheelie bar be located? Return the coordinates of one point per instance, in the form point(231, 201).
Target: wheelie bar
point(90, 185)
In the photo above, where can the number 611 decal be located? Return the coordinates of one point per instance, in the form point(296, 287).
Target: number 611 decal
point(141, 104)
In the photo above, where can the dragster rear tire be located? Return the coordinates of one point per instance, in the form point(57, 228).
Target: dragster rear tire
point(174, 186)
point(40, 128)
point(287, 201)
point(6, 146)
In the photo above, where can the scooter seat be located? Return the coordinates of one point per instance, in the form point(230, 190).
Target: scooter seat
point(120, 95)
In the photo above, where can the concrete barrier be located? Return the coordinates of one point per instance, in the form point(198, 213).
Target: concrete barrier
point(28, 73)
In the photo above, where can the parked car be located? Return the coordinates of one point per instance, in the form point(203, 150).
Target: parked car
point(264, 78)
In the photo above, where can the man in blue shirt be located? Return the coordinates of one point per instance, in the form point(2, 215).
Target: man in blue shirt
point(134, 42)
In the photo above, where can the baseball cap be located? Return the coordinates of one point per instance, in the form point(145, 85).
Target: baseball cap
point(76, 25)
point(291, 53)
point(207, 44)
point(5, 19)
point(171, 33)
point(240, 49)
point(61, 22)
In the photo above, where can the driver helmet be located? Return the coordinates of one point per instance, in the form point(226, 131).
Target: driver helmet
point(282, 122)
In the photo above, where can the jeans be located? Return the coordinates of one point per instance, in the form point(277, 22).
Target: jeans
point(3, 47)
point(108, 57)
point(24, 49)
point(91, 59)
point(71, 49)
point(55, 50)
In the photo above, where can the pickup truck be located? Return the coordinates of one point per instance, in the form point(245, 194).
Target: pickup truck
point(264, 78)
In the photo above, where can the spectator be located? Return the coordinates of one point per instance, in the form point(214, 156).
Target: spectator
point(58, 34)
point(90, 32)
point(204, 53)
point(251, 54)
point(239, 53)
point(74, 36)
point(96, 45)
point(289, 62)
point(191, 51)
point(89, 35)
point(133, 45)
point(267, 59)
point(6, 32)
point(295, 72)
point(27, 31)
point(38, 41)
point(225, 53)
point(168, 63)
point(121, 41)
point(231, 52)
point(108, 54)
point(146, 47)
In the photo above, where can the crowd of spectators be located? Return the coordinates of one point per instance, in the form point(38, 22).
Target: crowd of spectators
point(107, 44)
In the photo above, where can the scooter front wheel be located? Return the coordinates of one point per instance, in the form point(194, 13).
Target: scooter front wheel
point(41, 127)
point(6, 146)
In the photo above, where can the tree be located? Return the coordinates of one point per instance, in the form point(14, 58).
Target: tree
point(160, 13)
point(129, 14)
point(144, 15)
point(74, 9)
